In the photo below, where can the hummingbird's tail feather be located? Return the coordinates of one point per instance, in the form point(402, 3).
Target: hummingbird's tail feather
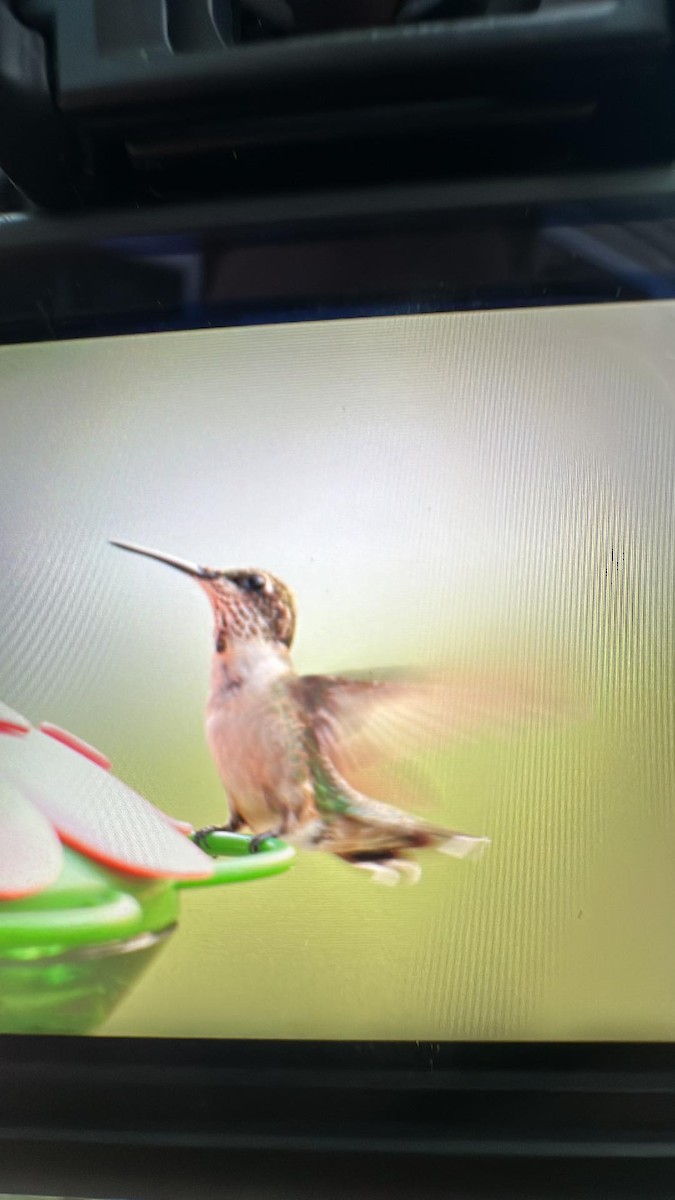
point(372, 826)
point(378, 838)
point(385, 853)
point(462, 845)
point(371, 834)
point(391, 871)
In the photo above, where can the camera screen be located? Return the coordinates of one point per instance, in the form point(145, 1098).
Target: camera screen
point(414, 663)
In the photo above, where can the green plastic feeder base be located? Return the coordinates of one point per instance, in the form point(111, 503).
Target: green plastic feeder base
point(69, 955)
point(76, 991)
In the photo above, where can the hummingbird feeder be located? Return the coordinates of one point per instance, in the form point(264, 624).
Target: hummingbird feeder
point(90, 879)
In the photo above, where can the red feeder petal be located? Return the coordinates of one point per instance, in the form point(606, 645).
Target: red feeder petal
point(30, 852)
point(96, 813)
point(181, 826)
point(12, 722)
point(75, 743)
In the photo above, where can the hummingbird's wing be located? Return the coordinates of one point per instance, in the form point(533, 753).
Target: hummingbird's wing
point(361, 721)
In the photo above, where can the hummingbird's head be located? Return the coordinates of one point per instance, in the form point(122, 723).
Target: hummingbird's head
point(248, 605)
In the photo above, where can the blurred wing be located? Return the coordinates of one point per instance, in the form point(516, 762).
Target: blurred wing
point(96, 813)
point(30, 852)
point(361, 721)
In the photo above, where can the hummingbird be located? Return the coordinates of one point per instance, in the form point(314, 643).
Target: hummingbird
point(286, 746)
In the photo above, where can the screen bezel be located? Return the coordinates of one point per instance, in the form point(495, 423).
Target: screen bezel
point(85, 276)
point(485, 1098)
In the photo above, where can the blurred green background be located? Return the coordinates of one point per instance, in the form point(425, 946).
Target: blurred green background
point(490, 490)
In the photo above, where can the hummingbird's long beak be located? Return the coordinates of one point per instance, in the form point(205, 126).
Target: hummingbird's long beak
point(179, 563)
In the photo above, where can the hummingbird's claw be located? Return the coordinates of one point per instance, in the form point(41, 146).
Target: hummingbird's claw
point(200, 837)
point(256, 843)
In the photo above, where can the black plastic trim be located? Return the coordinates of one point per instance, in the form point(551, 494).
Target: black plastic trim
point(95, 73)
point(308, 257)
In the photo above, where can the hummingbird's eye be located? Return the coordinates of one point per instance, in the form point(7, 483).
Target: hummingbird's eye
point(252, 583)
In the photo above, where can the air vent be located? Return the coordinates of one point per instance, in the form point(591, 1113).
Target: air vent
point(121, 51)
point(453, 10)
point(262, 20)
point(159, 98)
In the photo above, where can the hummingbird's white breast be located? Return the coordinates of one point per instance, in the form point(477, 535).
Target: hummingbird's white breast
point(253, 732)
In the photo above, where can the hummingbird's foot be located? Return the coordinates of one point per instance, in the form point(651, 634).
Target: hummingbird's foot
point(200, 837)
point(256, 843)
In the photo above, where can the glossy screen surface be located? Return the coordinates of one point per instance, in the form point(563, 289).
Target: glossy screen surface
point(488, 495)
